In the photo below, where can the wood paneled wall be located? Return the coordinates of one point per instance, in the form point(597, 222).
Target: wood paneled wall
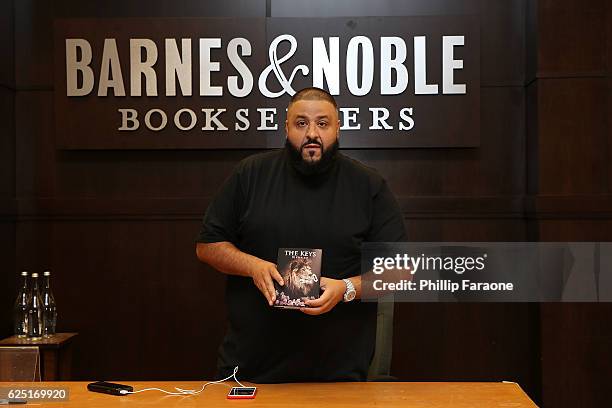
point(118, 227)
point(7, 166)
point(570, 99)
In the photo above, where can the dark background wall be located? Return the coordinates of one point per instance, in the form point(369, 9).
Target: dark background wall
point(7, 166)
point(569, 182)
point(117, 227)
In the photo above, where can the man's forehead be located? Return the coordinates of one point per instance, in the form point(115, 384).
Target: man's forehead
point(312, 108)
point(305, 115)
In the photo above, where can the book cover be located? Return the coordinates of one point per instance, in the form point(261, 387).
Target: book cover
point(301, 272)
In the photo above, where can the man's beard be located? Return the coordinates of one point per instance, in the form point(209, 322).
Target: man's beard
point(308, 168)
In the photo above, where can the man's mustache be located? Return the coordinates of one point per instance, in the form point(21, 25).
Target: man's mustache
point(311, 141)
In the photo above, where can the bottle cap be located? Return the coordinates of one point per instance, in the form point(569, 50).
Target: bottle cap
point(47, 273)
point(35, 275)
point(24, 273)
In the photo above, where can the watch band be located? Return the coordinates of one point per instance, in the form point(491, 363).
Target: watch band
point(350, 292)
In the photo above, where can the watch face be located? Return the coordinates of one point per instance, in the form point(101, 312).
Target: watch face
point(349, 296)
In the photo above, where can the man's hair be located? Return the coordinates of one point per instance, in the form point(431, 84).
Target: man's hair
point(313, 94)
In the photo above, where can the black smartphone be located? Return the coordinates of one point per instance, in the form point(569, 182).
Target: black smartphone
point(242, 393)
point(109, 388)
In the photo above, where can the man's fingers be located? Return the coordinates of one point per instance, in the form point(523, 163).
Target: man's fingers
point(265, 283)
point(309, 311)
point(270, 287)
point(277, 276)
point(313, 311)
point(318, 306)
point(316, 302)
point(325, 297)
point(263, 288)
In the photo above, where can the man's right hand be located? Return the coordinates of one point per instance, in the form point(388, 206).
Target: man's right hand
point(225, 257)
point(262, 275)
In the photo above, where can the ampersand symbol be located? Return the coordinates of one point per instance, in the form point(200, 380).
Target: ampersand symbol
point(274, 66)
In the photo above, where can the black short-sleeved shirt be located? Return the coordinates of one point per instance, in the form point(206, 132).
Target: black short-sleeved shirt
point(266, 204)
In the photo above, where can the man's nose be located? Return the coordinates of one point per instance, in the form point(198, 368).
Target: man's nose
point(312, 130)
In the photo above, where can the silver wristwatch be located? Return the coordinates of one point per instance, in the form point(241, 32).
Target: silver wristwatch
point(350, 292)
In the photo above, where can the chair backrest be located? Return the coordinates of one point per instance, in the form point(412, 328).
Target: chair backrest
point(380, 366)
point(19, 364)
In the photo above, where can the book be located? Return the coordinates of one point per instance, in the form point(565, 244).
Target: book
point(300, 269)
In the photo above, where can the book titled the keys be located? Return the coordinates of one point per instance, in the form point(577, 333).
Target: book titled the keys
point(301, 272)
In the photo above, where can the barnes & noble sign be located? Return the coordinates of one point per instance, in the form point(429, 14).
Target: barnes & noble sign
point(225, 82)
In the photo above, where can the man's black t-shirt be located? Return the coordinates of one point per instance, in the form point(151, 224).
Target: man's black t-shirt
point(267, 204)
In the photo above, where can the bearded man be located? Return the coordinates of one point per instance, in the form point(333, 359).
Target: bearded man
point(307, 195)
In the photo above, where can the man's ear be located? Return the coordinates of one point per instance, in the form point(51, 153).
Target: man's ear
point(286, 129)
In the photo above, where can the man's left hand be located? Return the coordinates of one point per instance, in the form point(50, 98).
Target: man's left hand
point(333, 293)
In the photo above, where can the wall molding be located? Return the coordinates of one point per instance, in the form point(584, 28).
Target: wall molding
point(413, 207)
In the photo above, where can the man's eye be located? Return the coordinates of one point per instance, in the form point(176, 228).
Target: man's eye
point(301, 123)
point(322, 124)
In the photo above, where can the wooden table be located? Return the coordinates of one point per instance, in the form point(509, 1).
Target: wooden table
point(313, 395)
point(55, 354)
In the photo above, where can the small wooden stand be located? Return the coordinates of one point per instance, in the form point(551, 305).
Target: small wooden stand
point(55, 354)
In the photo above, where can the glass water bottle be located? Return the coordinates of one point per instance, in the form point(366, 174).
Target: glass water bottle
point(49, 308)
point(36, 321)
point(20, 311)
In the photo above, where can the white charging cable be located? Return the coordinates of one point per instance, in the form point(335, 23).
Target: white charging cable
point(181, 391)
